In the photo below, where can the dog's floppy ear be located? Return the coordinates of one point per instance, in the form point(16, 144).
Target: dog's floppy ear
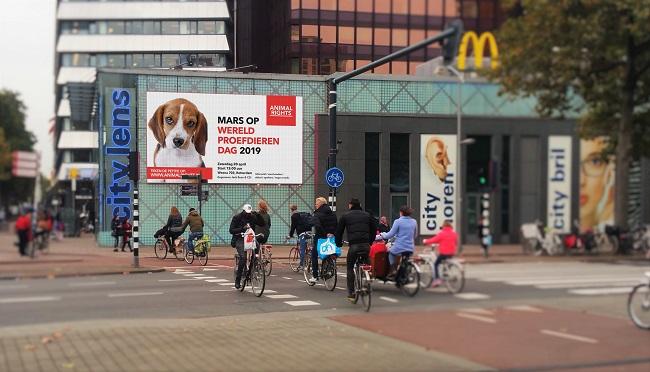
point(201, 134)
point(156, 125)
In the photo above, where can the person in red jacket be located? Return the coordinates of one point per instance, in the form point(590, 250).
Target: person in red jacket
point(126, 234)
point(446, 240)
point(24, 231)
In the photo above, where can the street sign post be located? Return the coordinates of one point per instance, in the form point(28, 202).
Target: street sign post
point(25, 164)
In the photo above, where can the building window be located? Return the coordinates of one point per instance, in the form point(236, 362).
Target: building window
point(372, 173)
point(346, 5)
point(184, 28)
point(399, 162)
point(504, 170)
point(115, 27)
point(310, 4)
point(170, 28)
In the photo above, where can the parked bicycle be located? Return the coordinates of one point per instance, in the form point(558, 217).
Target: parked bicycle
point(267, 258)
point(41, 244)
point(638, 303)
point(201, 250)
point(538, 240)
point(294, 254)
point(254, 272)
point(327, 271)
point(451, 271)
point(362, 283)
point(161, 247)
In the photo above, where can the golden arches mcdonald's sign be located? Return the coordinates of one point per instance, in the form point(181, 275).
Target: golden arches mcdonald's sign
point(478, 44)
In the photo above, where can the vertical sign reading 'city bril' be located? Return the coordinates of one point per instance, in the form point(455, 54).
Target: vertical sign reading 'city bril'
point(437, 182)
point(119, 140)
point(559, 184)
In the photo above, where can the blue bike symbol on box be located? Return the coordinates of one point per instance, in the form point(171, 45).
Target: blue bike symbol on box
point(334, 177)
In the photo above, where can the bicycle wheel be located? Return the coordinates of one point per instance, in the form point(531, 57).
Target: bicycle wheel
point(45, 246)
point(189, 256)
point(454, 277)
point(410, 280)
point(234, 272)
point(268, 261)
point(294, 259)
point(638, 306)
point(329, 273)
point(203, 257)
point(366, 289)
point(426, 273)
point(258, 277)
point(307, 271)
point(357, 284)
point(179, 251)
point(160, 249)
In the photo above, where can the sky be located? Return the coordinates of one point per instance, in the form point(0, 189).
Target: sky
point(27, 65)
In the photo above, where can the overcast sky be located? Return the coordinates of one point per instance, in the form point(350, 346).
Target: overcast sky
point(27, 64)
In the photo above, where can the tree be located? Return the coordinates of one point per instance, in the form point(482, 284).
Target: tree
point(585, 56)
point(15, 136)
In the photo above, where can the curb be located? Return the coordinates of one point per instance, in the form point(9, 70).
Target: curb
point(70, 275)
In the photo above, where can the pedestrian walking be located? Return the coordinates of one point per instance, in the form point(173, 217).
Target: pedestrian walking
point(325, 223)
point(265, 230)
point(126, 234)
point(239, 224)
point(23, 229)
point(116, 233)
point(361, 230)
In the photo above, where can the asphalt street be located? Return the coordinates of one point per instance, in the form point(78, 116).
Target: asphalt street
point(193, 291)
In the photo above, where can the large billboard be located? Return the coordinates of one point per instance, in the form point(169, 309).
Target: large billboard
point(558, 207)
point(231, 139)
point(438, 175)
point(597, 175)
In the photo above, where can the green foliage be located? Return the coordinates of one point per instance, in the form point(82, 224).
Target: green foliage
point(593, 49)
point(5, 157)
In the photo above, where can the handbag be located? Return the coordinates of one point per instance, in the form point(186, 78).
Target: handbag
point(249, 240)
point(327, 247)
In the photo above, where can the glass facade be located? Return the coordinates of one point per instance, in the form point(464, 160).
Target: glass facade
point(340, 35)
point(138, 27)
point(137, 60)
point(372, 172)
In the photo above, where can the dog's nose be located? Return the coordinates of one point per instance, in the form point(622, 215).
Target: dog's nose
point(178, 142)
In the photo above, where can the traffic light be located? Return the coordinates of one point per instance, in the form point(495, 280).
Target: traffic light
point(450, 45)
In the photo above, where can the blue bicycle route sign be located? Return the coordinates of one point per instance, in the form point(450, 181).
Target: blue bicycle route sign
point(334, 177)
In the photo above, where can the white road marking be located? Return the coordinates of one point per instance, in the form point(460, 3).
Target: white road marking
point(341, 288)
point(17, 286)
point(569, 336)
point(388, 299)
point(301, 303)
point(281, 296)
point(529, 308)
point(477, 311)
point(477, 318)
point(134, 294)
point(217, 280)
point(90, 284)
point(231, 284)
point(270, 291)
point(17, 300)
point(195, 275)
point(472, 296)
point(208, 269)
point(600, 291)
point(221, 290)
point(176, 280)
point(343, 275)
point(286, 277)
point(206, 278)
point(273, 275)
point(569, 281)
point(587, 285)
point(302, 281)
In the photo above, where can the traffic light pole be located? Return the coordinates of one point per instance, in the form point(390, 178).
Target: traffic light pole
point(459, 153)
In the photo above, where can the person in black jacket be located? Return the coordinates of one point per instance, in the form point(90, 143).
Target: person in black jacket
point(361, 227)
point(241, 222)
point(300, 222)
point(324, 221)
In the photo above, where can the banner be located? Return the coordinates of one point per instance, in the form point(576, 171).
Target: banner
point(437, 182)
point(232, 139)
point(597, 175)
point(558, 208)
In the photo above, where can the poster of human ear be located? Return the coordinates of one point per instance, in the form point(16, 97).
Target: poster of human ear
point(438, 180)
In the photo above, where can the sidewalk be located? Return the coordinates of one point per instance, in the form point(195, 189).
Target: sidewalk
point(293, 341)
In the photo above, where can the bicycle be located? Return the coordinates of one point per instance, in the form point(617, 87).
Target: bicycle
point(638, 303)
point(201, 249)
point(451, 270)
point(362, 283)
point(161, 247)
point(267, 258)
point(294, 254)
point(254, 273)
point(41, 243)
point(326, 272)
point(407, 278)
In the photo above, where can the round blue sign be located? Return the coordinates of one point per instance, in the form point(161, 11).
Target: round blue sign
point(334, 177)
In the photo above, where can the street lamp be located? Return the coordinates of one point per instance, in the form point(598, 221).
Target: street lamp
point(459, 143)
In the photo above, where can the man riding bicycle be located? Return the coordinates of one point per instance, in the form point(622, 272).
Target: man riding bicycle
point(361, 228)
point(446, 240)
point(196, 224)
point(325, 224)
point(241, 222)
point(300, 223)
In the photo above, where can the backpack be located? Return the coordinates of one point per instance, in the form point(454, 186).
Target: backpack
point(305, 222)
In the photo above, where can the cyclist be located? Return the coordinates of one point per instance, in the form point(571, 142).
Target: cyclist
point(361, 228)
point(196, 224)
point(446, 240)
point(265, 230)
point(300, 223)
point(241, 222)
point(23, 229)
point(325, 223)
point(404, 230)
point(173, 228)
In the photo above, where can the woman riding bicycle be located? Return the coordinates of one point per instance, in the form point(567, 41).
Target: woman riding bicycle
point(446, 240)
point(404, 230)
point(174, 227)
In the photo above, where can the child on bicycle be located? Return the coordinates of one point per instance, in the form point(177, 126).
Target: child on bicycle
point(446, 240)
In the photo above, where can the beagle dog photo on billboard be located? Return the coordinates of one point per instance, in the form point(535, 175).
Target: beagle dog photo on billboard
point(224, 138)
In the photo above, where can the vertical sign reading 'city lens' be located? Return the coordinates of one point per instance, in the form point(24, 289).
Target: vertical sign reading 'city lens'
point(558, 209)
point(119, 139)
point(437, 182)
point(227, 138)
